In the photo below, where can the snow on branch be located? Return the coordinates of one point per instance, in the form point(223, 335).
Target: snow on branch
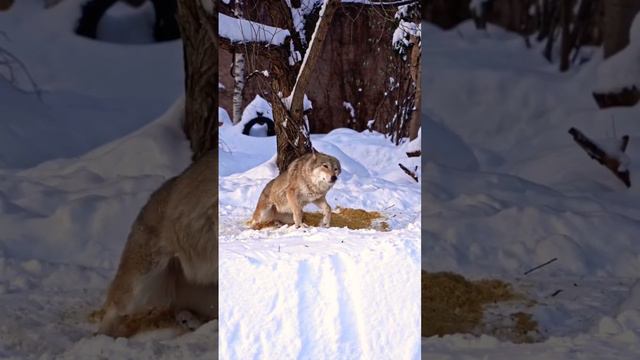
point(401, 36)
point(381, 3)
point(242, 31)
point(299, 15)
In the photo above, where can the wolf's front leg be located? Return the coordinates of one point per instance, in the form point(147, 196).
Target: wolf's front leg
point(326, 211)
point(295, 207)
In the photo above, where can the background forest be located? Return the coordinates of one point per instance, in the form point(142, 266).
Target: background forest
point(530, 203)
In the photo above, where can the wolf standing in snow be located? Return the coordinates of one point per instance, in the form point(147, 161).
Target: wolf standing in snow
point(170, 260)
point(306, 180)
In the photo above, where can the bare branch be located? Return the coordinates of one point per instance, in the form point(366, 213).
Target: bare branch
point(383, 3)
point(10, 62)
point(409, 172)
point(539, 266)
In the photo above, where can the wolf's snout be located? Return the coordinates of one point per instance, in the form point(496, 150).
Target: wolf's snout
point(334, 178)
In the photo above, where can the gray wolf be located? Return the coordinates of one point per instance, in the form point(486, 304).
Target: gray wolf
point(170, 260)
point(306, 180)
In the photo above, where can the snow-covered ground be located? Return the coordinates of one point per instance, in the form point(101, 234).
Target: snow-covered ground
point(75, 168)
point(506, 188)
point(319, 293)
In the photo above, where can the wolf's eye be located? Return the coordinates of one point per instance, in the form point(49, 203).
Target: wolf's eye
point(325, 165)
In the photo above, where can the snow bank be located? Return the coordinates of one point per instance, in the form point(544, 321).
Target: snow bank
point(64, 225)
point(507, 189)
point(537, 193)
point(622, 70)
point(75, 169)
point(88, 100)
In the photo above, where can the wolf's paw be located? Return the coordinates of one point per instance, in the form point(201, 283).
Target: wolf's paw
point(188, 320)
point(324, 224)
point(301, 226)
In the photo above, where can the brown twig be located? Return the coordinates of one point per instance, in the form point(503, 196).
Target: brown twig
point(556, 293)
point(540, 266)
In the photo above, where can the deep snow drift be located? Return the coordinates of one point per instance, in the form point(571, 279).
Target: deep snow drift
point(75, 168)
point(506, 189)
point(320, 293)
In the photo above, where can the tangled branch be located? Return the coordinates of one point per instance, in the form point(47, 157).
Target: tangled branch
point(11, 66)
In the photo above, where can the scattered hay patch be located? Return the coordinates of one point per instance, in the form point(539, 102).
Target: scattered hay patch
point(354, 219)
point(452, 304)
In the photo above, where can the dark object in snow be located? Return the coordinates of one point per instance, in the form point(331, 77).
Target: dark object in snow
point(605, 159)
point(416, 153)
point(164, 29)
point(540, 266)
point(260, 120)
point(556, 293)
point(625, 97)
point(409, 172)
point(5, 4)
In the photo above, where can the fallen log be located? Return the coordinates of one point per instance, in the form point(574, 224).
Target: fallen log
point(610, 161)
point(415, 153)
point(628, 96)
point(413, 174)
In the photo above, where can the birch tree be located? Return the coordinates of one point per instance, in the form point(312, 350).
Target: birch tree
point(238, 69)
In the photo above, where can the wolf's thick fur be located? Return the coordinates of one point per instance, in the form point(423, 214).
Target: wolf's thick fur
point(171, 256)
point(306, 180)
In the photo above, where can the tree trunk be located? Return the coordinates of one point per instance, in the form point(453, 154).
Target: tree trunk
point(416, 76)
point(292, 136)
point(238, 72)
point(238, 85)
point(292, 132)
point(311, 56)
point(566, 12)
point(618, 16)
point(165, 27)
point(199, 34)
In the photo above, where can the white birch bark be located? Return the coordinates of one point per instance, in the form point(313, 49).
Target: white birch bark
point(238, 74)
